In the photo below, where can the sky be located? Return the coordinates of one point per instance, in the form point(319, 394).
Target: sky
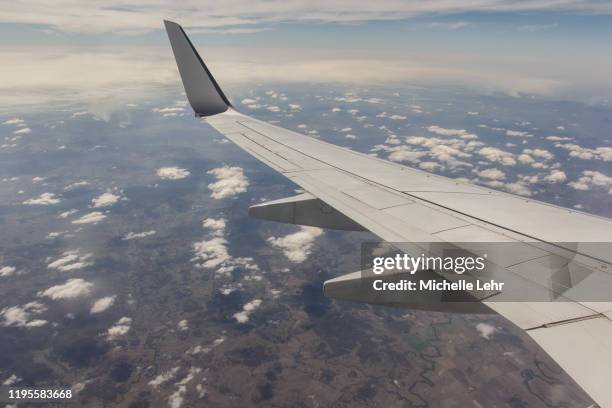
point(67, 50)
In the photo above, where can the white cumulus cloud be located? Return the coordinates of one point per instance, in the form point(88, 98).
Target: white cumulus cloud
point(519, 188)
point(43, 199)
point(591, 179)
point(163, 377)
point(21, 316)
point(172, 173)
point(90, 218)
point(492, 174)
point(13, 121)
point(450, 132)
point(297, 246)
point(247, 309)
point(121, 328)
point(105, 200)
point(486, 330)
point(555, 176)
point(137, 235)
point(73, 288)
point(102, 304)
point(584, 153)
point(494, 154)
point(23, 131)
point(216, 225)
point(70, 261)
point(7, 270)
point(230, 182)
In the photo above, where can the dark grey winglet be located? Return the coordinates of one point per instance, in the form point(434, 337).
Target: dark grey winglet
point(203, 92)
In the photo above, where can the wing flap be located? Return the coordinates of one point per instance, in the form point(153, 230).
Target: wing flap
point(583, 349)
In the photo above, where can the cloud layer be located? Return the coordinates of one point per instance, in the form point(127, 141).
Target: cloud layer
point(239, 16)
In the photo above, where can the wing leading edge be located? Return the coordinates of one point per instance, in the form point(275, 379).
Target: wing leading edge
point(351, 190)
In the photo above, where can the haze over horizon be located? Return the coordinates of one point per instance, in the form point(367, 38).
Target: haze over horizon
point(118, 50)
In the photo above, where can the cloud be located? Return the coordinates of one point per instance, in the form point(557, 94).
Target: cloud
point(200, 349)
point(170, 110)
point(7, 271)
point(102, 304)
point(121, 328)
point(76, 185)
point(554, 138)
point(43, 199)
point(450, 132)
point(212, 253)
point(94, 75)
point(430, 166)
point(517, 133)
point(518, 188)
point(90, 218)
point(183, 325)
point(230, 182)
point(137, 235)
point(297, 246)
point(486, 330)
point(13, 121)
point(393, 140)
point(105, 200)
point(448, 151)
point(247, 309)
point(532, 28)
point(556, 176)
point(175, 400)
point(163, 377)
point(525, 159)
point(172, 173)
point(451, 25)
point(68, 213)
point(23, 131)
point(492, 174)
point(21, 316)
point(540, 153)
point(233, 31)
point(591, 179)
point(73, 288)
point(70, 261)
point(236, 17)
point(216, 225)
point(598, 153)
point(494, 154)
point(13, 379)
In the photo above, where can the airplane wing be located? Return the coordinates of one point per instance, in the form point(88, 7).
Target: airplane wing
point(355, 191)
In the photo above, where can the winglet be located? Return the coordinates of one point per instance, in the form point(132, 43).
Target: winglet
point(203, 92)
